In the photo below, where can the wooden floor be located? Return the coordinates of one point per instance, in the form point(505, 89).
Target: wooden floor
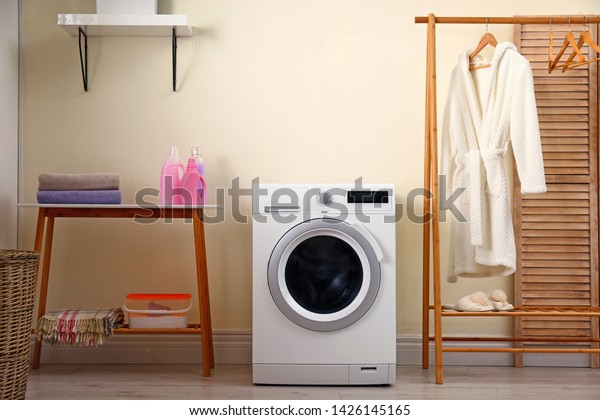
point(234, 382)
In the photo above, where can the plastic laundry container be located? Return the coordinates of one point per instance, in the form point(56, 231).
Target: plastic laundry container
point(165, 310)
point(17, 291)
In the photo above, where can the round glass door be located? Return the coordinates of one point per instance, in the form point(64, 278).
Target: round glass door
point(324, 274)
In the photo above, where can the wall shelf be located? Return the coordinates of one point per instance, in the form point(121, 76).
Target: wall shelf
point(125, 25)
point(84, 25)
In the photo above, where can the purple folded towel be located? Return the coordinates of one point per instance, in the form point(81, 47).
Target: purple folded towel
point(67, 182)
point(79, 197)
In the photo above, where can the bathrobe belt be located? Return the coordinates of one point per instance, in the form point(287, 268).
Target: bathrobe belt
point(477, 184)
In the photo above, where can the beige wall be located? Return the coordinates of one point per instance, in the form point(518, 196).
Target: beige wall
point(284, 90)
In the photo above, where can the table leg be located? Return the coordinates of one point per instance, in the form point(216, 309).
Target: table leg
point(208, 360)
point(44, 283)
point(37, 247)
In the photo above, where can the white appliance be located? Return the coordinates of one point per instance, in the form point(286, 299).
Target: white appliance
point(324, 284)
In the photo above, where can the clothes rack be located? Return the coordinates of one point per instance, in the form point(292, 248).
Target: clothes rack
point(431, 239)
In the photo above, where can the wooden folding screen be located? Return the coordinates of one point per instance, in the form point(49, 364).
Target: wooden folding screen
point(557, 232)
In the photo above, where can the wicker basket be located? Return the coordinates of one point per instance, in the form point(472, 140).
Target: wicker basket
point(17, 291)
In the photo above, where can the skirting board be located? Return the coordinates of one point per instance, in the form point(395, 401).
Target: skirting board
point(236, 348)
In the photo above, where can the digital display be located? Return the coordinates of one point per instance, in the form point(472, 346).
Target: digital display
point(369, 196)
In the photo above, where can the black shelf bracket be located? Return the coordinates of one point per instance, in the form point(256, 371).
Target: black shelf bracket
point(174, 47)
point(83, 58)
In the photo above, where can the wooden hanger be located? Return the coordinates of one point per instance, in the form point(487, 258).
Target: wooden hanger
point(584, 38)
point(569, 40)
point(486, 39)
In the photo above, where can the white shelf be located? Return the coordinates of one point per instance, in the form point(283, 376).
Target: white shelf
point(125, 25)
point(81, 25)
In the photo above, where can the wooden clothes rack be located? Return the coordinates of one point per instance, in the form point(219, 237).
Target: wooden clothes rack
point(431, 240)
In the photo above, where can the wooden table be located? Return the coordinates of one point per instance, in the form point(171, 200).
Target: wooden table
point(48, 212)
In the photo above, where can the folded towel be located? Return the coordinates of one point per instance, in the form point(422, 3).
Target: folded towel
point(79, 197)
point(92, 181)
point(84, 327)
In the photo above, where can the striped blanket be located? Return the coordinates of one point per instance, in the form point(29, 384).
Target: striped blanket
point(83, 327)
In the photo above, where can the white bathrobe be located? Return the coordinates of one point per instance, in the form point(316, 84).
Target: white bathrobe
point(486, 111)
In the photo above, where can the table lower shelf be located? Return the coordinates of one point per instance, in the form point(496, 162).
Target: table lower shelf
point(191, 329)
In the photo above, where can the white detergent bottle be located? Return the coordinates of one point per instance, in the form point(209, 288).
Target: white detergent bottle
point(170, 179)
point(197, 156)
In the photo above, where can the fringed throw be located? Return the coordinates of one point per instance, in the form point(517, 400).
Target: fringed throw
point(79, 327)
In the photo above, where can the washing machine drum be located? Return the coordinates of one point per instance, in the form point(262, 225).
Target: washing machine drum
point(324, 274)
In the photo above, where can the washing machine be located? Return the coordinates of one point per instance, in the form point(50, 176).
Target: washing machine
point(324, 284)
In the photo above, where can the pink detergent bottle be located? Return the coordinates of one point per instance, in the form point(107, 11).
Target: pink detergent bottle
point(193, 185)
point(170, 179)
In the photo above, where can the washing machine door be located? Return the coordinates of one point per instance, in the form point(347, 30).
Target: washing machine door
point(324, 274)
